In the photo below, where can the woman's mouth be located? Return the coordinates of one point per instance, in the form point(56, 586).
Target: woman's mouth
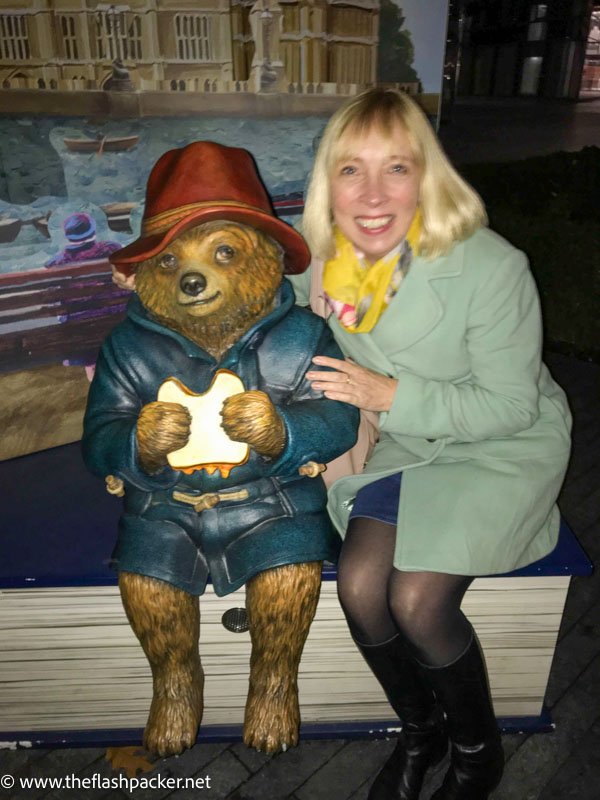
point(374, 224)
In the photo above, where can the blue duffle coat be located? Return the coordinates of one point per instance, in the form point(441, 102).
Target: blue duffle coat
point(283, 520)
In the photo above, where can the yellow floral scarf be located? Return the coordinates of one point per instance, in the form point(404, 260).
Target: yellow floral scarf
point(358, 292)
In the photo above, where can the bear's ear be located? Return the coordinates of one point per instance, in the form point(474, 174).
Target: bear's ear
point(279, 251)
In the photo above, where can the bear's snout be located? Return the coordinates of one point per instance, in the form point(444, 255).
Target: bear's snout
point(192, 283)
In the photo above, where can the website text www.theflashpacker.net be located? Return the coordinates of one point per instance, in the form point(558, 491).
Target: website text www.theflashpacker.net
point(98, 781)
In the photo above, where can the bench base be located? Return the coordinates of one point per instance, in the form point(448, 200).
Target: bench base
point(70, 663)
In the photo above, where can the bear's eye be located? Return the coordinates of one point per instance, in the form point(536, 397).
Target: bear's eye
point(224, 253)
point(168, 261)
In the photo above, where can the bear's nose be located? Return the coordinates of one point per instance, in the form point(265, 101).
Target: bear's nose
point(193, 283)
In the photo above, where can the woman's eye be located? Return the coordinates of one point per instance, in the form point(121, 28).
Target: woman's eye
point(399, 169)
point(224, 253)
point(348, 170)
point(168, 261)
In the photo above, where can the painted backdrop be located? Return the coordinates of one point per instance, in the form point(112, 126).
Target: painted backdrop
point(72, 191)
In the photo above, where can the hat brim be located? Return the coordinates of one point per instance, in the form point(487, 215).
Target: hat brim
point(296, 252)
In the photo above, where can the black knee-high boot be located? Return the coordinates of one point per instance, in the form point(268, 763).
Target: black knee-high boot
point(477, 758)
point(423, 742)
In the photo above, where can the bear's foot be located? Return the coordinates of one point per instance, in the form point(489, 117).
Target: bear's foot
point(175, 715)
point(272, 718)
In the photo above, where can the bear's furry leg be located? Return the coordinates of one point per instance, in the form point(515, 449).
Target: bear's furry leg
point(166, 620)
point(281, 604)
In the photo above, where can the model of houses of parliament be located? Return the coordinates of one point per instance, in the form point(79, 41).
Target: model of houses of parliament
point(259, 46)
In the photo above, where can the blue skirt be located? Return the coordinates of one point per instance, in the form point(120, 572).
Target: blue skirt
point(379, 500)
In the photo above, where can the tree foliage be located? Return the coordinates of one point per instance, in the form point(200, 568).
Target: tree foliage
point(396, 50)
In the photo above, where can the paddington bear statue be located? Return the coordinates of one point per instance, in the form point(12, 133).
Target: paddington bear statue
point(201, 411)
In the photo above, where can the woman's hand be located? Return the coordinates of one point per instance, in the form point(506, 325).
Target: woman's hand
point(352, 384)
point(122, 280)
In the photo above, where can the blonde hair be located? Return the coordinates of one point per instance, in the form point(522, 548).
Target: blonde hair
point(451, 210)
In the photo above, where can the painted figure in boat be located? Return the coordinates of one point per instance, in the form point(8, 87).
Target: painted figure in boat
point(80, 232)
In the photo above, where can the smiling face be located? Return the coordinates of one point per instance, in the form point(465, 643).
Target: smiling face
point(375, 189)
point(212, 283)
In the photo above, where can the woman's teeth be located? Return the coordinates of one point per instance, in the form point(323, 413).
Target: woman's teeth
point(373, 224)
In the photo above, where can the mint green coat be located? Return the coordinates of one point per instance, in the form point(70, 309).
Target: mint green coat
point(478, 427)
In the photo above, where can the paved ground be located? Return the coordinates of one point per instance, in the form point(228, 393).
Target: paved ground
point(561, 765)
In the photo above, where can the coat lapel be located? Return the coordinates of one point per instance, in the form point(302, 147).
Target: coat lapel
point(362, 348)
point(416, 308)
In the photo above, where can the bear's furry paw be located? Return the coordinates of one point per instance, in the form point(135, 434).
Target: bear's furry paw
point(272, 718)
point(251, 417)
point(175, 716)
point(162, 428)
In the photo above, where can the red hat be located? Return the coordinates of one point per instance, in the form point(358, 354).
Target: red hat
point(199, 183)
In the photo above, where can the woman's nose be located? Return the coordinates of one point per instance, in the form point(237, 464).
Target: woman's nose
point(373, 190)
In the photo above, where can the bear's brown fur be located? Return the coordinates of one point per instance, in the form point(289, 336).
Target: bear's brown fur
point(240, 270)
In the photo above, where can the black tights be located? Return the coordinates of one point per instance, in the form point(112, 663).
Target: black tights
point(379, 601)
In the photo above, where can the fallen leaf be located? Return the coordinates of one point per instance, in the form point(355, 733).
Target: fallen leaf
point(132, 760)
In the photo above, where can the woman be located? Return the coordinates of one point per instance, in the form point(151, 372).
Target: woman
point(439, 321)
